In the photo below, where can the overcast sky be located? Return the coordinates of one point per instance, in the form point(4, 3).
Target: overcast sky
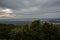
point(29, 8)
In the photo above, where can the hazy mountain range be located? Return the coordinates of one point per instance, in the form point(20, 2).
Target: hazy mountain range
point(28, 20)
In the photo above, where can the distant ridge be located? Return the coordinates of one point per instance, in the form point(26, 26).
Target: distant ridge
point(28, 20)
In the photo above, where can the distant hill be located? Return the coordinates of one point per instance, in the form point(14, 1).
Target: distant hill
point(28, 20)
point(15, 22)
point(52, 20)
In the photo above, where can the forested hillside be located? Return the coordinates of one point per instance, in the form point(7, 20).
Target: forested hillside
point(35, 31)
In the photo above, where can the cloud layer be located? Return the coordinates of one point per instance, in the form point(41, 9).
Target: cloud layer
point(29, 8)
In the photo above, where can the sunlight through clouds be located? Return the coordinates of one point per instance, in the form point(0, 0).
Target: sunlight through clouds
point(6, 13)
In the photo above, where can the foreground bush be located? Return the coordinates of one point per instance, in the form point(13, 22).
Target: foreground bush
point(35, 31)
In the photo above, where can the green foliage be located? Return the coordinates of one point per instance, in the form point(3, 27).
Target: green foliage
point(35, 31)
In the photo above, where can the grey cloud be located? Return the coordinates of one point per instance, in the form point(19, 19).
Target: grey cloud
point(13, 4)
point(52, 3)
point(24, 7)
point(16, 4)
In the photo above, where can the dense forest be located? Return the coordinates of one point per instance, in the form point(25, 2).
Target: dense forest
point(34, 31)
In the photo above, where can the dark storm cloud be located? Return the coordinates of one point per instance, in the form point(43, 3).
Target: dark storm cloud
point(33, 8)
point(52, 3)
point(16, 4)
point(13, 4)
point(56, 3)
point(19, 3)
